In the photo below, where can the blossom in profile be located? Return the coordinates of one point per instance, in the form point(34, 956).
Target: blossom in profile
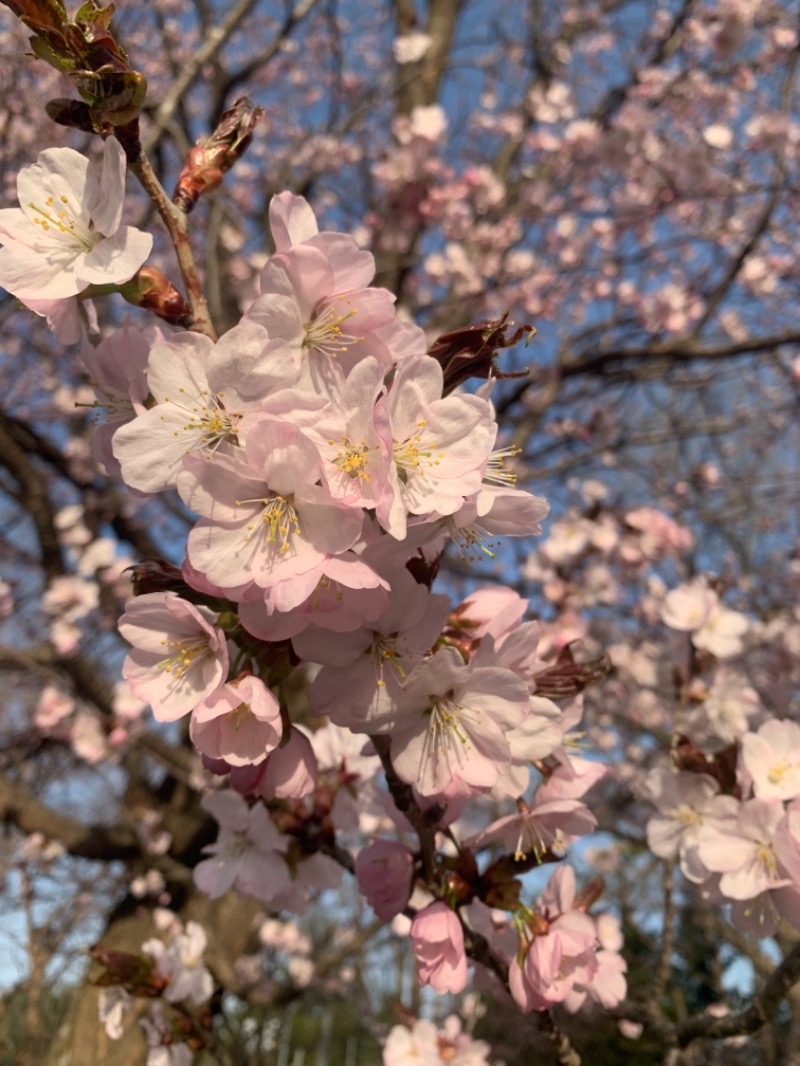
point(561, 948)
point(66, 234)
point(437, 941)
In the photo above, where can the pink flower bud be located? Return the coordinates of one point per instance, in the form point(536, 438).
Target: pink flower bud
point(291, 770)
point(437, 941)
point(384, 871)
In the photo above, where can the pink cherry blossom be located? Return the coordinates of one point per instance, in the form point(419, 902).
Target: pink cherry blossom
point(266, 518)
point(246, 855)
point(201, 391)
point(561, 949)
point(384, 870)
point(754, 854)
point(437, 941)
point(545, 824)
point(240, 722)
point(686, 802)
point(179, 656)
point(450, 735)
point(360, 684)
point(440, 446)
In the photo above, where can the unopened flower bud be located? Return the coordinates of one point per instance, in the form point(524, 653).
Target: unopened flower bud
point(149, 289)
point(207, 162)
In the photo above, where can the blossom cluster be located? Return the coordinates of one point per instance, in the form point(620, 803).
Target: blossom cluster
point(316, 444)
point(329, 458)
point(168, 971)
point(731, 821)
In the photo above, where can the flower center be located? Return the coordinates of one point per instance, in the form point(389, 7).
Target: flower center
point(324, 332)
point(183, 654)
point(207, 416)
point(386, 653)
point(279, 522)
point(353, 459)
point(58, 219)
point(445, 729)
point(415, 452)
point(239, 716)
point(765, 856)
point(779, 771)
point(686, 816)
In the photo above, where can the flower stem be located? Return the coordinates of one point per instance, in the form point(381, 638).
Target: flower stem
point(177, 225)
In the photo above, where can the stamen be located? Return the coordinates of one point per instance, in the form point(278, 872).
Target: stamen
point(183, 654)
point(64, 223)
point(239, 716)
point(470, 540)
point(353, 459)
point(496, 472)
point(325, 334)
point(279, 522)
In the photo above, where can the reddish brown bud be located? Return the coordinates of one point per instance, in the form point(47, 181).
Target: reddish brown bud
point(155, 575)
point(135, 973)
point(589, 894)
point(567, 678)
point(469, 352)
point(149, 289)
point(207, 162)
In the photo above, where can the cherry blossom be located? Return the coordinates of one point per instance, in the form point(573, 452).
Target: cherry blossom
point(179, 656)
point(240, 722)
point(772, 759)
point(437, 941)
point(246, 854)
point(266, 517)
point(66, 233)
point(450, 735)
point(384, 870)
point(179, 962)
point(560, 947)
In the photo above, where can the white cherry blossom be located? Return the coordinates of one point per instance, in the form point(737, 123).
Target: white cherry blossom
point(66, 233)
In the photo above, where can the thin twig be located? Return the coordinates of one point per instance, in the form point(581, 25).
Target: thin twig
point(215, 39)
point(177, 224)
